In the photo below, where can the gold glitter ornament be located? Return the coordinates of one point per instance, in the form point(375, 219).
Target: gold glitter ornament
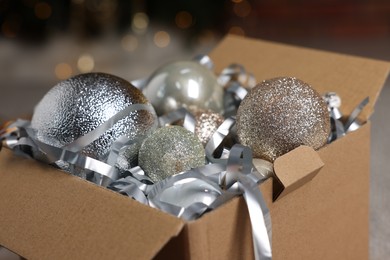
point(281, 114)
point(184, 84)
point(207, 122)
point(170, 150)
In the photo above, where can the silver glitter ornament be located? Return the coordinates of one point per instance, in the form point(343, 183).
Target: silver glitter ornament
point(281, 114)
point(207, 122)
point(184, 84)
point(170, 150)
point(80, 104)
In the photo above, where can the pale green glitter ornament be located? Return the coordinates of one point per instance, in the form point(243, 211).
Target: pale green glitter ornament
point(170, 150)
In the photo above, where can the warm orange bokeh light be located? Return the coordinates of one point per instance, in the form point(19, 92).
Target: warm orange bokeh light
point(42, 10)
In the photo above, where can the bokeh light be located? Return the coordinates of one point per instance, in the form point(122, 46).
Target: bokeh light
point(42, 10)
point(11, 26)
point(140, 22)
point(242, 8)
point(85, 63)
point(183, 19)
point(161, 39)
point(63, 70)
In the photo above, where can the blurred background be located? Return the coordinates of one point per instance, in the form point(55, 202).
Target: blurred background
point(45, 41)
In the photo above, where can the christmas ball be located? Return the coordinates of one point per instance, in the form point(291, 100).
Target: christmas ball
point(184, 84)
point(281, 114)
point(80, 104)
point(207, 122)
point(170, 150)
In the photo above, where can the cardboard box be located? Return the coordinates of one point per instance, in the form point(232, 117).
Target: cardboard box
point(323, 213)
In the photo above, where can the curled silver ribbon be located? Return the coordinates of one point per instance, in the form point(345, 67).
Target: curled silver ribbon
point(191, 211)
point(352, 122)
point(135, 186)
point(205, 61)
point(217, 138)
point(236, 72)
point(339, 128)
point(176, 115)
point(238, 168)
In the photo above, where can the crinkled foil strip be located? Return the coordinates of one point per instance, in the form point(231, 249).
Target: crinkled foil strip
point(340, 125)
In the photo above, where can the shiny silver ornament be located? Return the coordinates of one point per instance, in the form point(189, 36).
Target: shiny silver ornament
point(206, 123)
point(184, 84)
point(80, 104)
point(281, 114)
point(170, 150)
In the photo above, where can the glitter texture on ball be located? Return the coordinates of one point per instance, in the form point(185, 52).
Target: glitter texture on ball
point(184, 84)
point(170, 150)
point(78, 105)
point(281, 114)
point(207, 122)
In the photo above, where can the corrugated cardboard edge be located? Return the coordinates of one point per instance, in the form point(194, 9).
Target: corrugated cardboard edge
point(294, 169)
point(352, 78)
point(49, 214)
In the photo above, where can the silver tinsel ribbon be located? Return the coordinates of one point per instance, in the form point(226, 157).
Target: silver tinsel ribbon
point(340, 125)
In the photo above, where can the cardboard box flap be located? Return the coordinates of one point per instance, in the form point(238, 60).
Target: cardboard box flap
point(48, 214)
point(352, 78)
point(295, 169)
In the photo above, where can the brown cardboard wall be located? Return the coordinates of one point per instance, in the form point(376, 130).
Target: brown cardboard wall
point(328, 217)
point(49, 214)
